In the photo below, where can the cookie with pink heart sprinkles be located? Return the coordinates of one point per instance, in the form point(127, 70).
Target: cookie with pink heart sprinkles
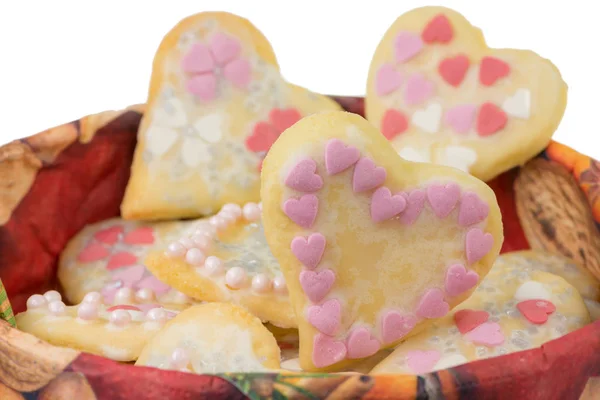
point(514, 308)
point(225, 258)
point(371, 246)
point(441, 95)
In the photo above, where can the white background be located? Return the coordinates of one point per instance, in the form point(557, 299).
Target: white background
point(60, 60)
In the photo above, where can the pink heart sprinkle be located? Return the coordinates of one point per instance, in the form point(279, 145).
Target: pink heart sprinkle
point(239, 73)
point(407, 45)
point(92, 252)
point(432, 304)
point(303, 177)
point(121, 259)
point(367, 175)
point(109, 235)
point(477, 244)
point(488, 334)
point(316, 285)
point(326, 317)
point(152, 283)
point(224, 48)
point(387, 80)
point(443, 198)
point(309, 250)
point(395, 326)
point(422, 362)
point(129, 276)
point(198, 60)
point(385, 206)
point(458, 280)
point(327, 351)
point(202, 86)
point(302, 211)
point(143, 235)
point(415, 202)
point(417, 89)
point(339, 157)
point(472, 209)
point(361, 344)
point(461, 118)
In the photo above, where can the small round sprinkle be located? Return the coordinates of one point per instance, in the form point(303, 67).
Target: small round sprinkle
point(120, 318)
point(52, 295)
point(206, 228)
point(218, 222)
point(279, 285)
point(36, 301)
point(261, 283)
point(157, 315)
point(56, 307)
point(175, 249)
point(87, 311)
point(187, 243)
point(233, 209)
point(123, 295)
point(202, 241)
point(195, 257)
point(227, 216)
point(180, 298)
point(92, 297)
point(235, 277)
point(213, 265)
point(251, 212)
point(179, 358)
point(144, 295)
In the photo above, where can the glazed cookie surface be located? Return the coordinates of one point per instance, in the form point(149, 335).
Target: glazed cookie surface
point(371, 246)
point(227, 259)
point(108, 257)
point(217, 102)
point(441, 95)
point(213, 338)
point(118, 332)
point(512, 310)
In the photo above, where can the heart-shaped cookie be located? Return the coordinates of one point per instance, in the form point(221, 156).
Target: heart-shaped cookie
point(441, 95)
point(118, 332)
point(217, 102)
point(108, 257)
point(395, 253)
point(225, 258)
point(502, 316)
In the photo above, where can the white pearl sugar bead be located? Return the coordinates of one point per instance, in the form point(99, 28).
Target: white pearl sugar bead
point(92, 297)
point(233, 209)
point(207, 228)
point(187, 243)
point(261, 283)
point(52, 295)
point(120, 318)
point(36, 301)
point(175, 249)
point(213, 265)
point(144, 295)
point(157, 315)
point(195, 257)
point(123, 295)
point(251, 212)
point(218, 222)
point(235, 277)
point(180, 298)
point(56, 307)
point(87, 311)
point(202, 241)
point(279, 285)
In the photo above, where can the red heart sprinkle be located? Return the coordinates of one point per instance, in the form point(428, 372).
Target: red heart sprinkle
point(122, 259)
point(283, 119)
point(263, 136)
point(492, 69)
point(109, 235)
point(393, 123)
point(438, 30)
point(536, 311)
point(143, 235)
point(467, 320)
point(454, 69)
point(490, 119)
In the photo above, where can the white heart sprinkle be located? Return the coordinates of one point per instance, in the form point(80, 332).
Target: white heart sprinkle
point(159, 139)
point(519, 104)
point(532, 290)
point(429, 118)
point(458, 157)
point(412, 154)
point(194, 151)
point(210, 127)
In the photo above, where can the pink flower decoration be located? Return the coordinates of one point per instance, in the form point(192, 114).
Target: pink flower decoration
point(206, 63)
